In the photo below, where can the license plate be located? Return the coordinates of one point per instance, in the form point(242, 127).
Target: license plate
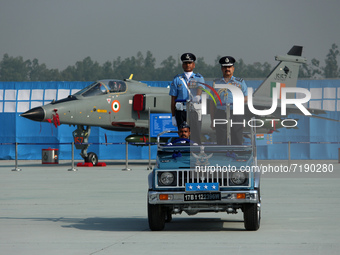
point(202, 196)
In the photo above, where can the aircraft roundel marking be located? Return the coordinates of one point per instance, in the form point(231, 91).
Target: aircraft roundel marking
point(115, 106)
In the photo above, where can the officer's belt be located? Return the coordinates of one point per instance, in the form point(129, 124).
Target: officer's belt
point(180, 106)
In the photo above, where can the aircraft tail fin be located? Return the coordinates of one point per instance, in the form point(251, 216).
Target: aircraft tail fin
point(285, 74)
point(295, 51)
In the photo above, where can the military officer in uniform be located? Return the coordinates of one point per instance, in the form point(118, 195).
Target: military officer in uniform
point(183, 133)
point(183, 87)
point(219, 111)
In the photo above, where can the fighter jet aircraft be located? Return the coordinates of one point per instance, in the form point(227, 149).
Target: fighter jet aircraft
point(123, 105)
point(118, 105)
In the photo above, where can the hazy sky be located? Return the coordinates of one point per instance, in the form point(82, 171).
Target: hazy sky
point(59, 33)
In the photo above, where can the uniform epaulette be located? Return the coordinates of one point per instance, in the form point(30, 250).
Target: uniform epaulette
point(238, 79)
point(198, 75)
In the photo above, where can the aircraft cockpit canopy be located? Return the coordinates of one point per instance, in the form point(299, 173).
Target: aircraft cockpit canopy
point(115, 86)
point(103, 87)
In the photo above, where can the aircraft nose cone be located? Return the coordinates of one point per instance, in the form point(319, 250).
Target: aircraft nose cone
point(36, 114)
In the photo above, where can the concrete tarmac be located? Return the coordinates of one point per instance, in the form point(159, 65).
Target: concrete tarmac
point(46, 209)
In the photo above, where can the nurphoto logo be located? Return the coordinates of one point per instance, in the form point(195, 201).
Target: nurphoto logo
point(238, 104)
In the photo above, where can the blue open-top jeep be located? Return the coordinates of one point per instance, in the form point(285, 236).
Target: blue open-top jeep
point(205, 178)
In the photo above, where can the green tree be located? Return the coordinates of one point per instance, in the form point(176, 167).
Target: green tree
point(14, 69)
point(122, 69)
point(203, 68)
point(143, 68)
point(107, 70)
point(312, 70)
point(168, 69)
point(68, 74)
point(149, 67)
point(87, 70)
point(304, 71)
point(241, 69)
point(331, 69)
point(41, 73)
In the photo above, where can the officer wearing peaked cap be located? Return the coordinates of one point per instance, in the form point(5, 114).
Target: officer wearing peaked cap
point(219, 112)
point(184, 125)
point(186, 86)
point(188, 57)
point(184, 135)
point(227, 61)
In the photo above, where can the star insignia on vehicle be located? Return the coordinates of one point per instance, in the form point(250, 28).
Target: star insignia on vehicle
point(190, 187)
point(198, 187)
point(205, 187)
point(213, 186)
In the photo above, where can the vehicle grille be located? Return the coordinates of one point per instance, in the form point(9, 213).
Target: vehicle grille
point(191, 176)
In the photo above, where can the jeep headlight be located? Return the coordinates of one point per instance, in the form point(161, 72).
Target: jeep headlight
point(238, 178)
point(167, 178)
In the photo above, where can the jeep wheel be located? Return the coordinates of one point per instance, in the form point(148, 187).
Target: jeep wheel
point(156, 217)
point(252, 215)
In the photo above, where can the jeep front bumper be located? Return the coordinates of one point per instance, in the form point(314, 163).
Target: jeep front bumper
point(226, 197)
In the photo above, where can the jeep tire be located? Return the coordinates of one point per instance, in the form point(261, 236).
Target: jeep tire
point(156, 217)
point(252, 215)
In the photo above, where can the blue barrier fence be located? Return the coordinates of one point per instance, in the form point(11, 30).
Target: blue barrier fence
point(289, 148)
point(314, 138)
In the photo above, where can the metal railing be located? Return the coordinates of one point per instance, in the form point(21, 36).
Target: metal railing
point(148, 160)
point(16, 167)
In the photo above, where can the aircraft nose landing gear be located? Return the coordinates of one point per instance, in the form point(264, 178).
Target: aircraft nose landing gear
point(81, 135)
point(92, 158)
